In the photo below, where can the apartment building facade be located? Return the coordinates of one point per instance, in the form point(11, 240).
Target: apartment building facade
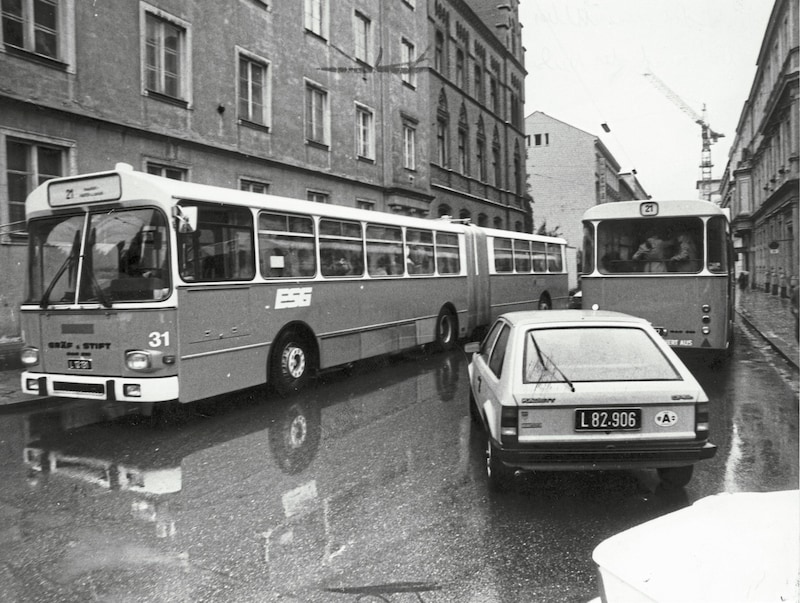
point(324, 100)
point(760, 182)
point(570, 170)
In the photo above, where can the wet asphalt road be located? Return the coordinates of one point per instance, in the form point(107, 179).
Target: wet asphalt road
point(367, 488)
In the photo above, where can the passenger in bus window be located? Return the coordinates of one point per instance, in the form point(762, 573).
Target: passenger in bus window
point(685, 258)
point(653, 253)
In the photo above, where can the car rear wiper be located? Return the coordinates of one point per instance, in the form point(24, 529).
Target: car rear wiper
point(545, 360)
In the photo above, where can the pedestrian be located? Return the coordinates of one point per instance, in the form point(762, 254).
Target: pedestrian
point(782, 283)
point(795, 312)
point(767, 280)
point(743, 280)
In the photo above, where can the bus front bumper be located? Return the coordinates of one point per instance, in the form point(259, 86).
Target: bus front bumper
point(111, 389)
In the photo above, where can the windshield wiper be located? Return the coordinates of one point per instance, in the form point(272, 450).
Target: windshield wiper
point(73, 255)
point(544, 359)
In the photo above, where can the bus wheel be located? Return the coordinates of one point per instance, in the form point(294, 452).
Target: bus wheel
point(446, 330)
point(292, 361)
point(545, 303)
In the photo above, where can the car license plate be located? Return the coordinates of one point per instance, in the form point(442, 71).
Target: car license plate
point(608, 419)
point(80, 364)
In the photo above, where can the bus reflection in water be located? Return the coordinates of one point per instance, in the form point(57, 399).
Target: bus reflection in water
point(147, 289)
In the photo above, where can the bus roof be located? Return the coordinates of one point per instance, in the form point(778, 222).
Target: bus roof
point(126, 184)
point(663, 208)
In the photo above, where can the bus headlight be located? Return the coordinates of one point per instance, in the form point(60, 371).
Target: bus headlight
point(29, 356)
point(138, 360)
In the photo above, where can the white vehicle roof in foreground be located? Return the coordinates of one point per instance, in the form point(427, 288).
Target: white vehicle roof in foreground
point(554, 318)
point(742, 547)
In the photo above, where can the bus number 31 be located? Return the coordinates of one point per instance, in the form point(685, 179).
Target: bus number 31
point(158, 340)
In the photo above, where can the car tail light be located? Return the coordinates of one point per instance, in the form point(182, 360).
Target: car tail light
point(509, 421)
point(701, 421)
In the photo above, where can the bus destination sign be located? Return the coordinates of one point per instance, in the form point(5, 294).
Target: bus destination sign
point(84, 190)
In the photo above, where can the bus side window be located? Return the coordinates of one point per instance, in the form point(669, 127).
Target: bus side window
point(503, 256)
point(341, 248)
point(554, 260)
point(384, 250)
point(286, 245)
point(448, 259)
point(539, 256)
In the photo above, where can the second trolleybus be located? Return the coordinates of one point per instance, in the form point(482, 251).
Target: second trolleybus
point(670, 262)
point(146, 289)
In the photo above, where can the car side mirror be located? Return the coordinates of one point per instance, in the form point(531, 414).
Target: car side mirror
point(473, 347)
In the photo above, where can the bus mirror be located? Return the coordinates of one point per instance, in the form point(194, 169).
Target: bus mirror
point(185, 218)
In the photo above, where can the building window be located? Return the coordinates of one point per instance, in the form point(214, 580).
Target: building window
point(316, 115)
point(32, 25)
point(28, 164)
point(253, 91)
point(409, 147)
point(463, 142)
point(365, 132)
point(494, 95)
point(253, 186)
point(496, 164)
point(460, 83)
point(479, 82)
point(363, 38)
point(438, 56)
point(441, 142)
point(316, 17)
point(318, 197)
point(365, 204)
point(408, 56)
point(498, 223)
point(166, 58)
point(540, 139)
point(165, 171)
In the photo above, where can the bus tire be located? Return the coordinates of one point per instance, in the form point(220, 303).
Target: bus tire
point(292, 363)
point(545, 303)
point(446, 330)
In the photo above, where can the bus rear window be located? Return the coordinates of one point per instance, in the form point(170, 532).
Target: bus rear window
point(651, 245)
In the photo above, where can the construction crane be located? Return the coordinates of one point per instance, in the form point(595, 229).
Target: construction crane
point(709, 135)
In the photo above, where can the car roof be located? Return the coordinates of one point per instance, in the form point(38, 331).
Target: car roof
point(555, 318)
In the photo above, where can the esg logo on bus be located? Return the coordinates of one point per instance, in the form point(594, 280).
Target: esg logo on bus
point(295, 297)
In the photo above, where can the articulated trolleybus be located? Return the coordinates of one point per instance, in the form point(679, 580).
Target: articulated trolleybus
point(670, 262)
point(146, 289)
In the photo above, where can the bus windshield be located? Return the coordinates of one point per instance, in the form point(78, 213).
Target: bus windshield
point(124, 257)
point(654, 245)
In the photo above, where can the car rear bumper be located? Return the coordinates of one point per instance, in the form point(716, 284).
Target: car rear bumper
point(549, 457)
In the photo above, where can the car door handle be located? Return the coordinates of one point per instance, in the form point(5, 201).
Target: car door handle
point(480, 382)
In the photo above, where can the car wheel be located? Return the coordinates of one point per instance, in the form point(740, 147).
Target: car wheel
point(292, 361)
point(675, 477)
point(446, 330)
point(498, 474)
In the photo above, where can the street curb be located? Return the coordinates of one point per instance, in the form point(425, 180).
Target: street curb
point(772, 344)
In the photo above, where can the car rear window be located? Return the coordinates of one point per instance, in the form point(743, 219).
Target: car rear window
point(594, 354)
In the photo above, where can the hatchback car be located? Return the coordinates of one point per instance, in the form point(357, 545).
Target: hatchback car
point(583, 389)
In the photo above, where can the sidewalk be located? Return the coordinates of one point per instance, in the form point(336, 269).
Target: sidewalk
point(771, 316)
point(768, 314)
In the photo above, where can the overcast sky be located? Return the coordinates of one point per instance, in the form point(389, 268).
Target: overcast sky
point(586, 59)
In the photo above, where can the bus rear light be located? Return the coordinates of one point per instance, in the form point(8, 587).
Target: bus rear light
point(706, 319)
point(29, 356)
point(132, 390)
point(706, 308)
point(137, 360)
point(706, 330)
